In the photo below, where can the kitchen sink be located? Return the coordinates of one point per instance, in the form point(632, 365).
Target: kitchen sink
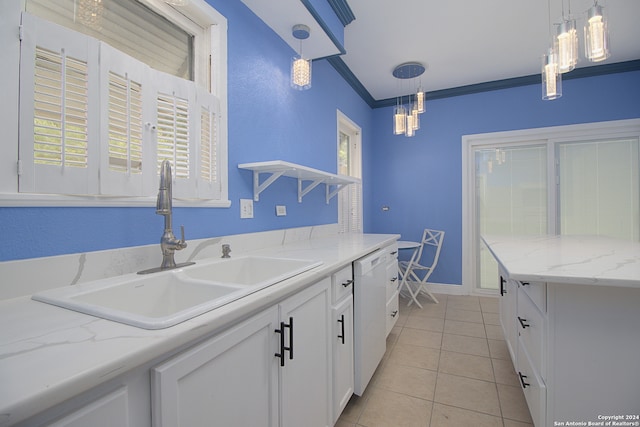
point(250, 271)
point(164, 299)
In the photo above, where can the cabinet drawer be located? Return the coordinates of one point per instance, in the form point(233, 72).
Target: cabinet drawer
point(392, 277)
point(392, 312)
point(537, 291)
point(392, 250)
point(530, 323)
point(535, 391)
point(341, 284)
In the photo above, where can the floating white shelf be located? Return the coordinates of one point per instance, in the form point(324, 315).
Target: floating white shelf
point(278, 168)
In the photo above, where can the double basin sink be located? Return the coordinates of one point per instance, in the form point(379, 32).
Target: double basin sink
point(164, 299)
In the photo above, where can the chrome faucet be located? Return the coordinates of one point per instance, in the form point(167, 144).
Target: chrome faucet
point(164, 206)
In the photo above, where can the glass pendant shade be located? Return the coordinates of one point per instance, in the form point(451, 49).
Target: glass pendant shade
point(420, 100)
point(399, 120)
point(551, 77)
point(416, 117)
point(566, 45)
point(596, 35)
point(409, 130)
point(300, 73)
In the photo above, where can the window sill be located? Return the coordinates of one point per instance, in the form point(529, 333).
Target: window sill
point(56, 200)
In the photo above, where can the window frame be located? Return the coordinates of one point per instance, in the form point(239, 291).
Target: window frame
point(209, 71)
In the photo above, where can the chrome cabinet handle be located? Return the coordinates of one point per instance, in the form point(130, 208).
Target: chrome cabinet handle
point(524, 325)
point(522, 378)
point(347, 283)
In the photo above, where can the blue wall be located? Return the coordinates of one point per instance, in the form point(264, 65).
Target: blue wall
point(420, 178)
point(267, 121)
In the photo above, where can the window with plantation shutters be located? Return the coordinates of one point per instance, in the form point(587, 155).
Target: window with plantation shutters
point(59, 87)
point(95, 121)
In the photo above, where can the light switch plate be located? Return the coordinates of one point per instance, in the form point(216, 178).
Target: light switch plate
point(246, 208)
point(281, 210)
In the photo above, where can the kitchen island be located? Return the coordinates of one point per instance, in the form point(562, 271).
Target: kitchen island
point(570, 312)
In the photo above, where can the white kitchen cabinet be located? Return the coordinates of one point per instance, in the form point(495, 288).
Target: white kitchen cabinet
point(507, 308)
point(109, 410)
point(273, 369)
point(342, 309)
point(574, 349)
point(305, 378)
point(228, 380)
point(392, 288)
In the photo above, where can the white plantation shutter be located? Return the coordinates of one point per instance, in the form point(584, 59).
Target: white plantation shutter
point(175, 130)
point(208, 178)
point(123, 95)
point(59, 92)
point(95, 121)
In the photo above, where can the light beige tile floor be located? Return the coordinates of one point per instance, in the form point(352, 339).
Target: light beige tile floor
point(446, 365)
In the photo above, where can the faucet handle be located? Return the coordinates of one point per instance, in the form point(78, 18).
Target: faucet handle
point(182, 242)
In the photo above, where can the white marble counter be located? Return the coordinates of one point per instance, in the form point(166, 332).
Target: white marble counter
point(49, 354)
point(590, 260)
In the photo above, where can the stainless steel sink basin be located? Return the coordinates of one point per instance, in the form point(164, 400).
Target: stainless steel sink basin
point(165, 299)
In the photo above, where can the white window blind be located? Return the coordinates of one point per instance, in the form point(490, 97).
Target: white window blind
point(208, 174)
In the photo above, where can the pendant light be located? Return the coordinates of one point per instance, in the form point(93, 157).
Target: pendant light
point(551, 77)
point(596, 35)
point(406, 120)
point(566, 42)
point(300, 67)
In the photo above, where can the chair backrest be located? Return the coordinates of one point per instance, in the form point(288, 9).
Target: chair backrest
point(431, 238)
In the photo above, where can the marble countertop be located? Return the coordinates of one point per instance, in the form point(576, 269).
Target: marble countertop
point(590, 260)
point(49, 354)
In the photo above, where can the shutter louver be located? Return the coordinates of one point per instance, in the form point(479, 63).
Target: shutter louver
point(173, 133)
point(125, 124)
point(60, 110)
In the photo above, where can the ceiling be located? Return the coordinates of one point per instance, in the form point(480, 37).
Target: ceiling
point(461, 42)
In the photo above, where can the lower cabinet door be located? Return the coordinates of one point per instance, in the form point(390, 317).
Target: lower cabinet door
point(228, 380)
point(305, 378)
point(535, 391)
point(342, 355)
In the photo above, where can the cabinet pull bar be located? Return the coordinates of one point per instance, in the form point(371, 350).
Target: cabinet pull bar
point(394, 279)
point(522, 378)
point(524, 325)
point(341, 321)
point(524, 283)
point(347, 283)
point(282, 347)
point(502, 289)
point(395, 313)
point(290, 348)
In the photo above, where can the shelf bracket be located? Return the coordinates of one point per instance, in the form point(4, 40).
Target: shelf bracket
point(302, 192)
point(259, 188)
point(330, 194)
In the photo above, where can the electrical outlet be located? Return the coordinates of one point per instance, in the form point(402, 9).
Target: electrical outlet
point(281, 210)
point(246, 208)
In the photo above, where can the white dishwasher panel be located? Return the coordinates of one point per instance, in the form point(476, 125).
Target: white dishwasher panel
point(369, 291)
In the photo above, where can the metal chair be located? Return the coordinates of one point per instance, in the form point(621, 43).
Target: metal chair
point(412, 270)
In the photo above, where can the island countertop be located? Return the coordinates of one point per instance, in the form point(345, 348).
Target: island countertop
point(588, 260)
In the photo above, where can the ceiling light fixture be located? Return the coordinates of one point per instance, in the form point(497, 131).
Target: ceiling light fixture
point(596, 35)
point(407, 120)
point(300, 67)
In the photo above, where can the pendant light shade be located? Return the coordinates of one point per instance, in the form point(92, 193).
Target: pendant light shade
point(566, 45)
point(420, 100)
point(551, 77)
point(596, 35)
point(300, 67)
point(399, 120)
